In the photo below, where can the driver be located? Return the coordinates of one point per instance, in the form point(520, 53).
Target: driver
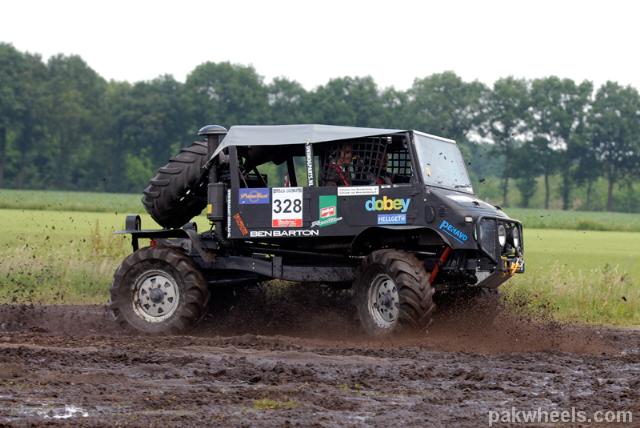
point(338, 172)
point(384, 177)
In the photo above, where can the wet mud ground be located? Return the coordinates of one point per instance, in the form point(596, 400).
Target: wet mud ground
point(296, 358)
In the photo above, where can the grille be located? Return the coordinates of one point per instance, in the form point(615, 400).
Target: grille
point(489, 238)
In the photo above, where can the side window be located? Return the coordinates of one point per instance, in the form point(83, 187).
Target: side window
point(336, 163)
point(253, 177)
point(300, 170)
point(398, 165)
point(365, 162)
point(272, 166)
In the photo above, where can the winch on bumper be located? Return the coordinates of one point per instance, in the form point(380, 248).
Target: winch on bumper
point(501, 241)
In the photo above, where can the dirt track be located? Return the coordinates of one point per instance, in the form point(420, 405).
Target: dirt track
point(273, 363)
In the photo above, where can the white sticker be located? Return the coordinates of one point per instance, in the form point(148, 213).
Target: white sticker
point(229, 213)
point(358, 191)
point(286, 207)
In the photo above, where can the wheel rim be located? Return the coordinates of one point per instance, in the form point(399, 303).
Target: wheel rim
point(155, 296)
point(384, 301)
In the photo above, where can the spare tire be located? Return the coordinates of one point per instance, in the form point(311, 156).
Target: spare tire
point(178, 192)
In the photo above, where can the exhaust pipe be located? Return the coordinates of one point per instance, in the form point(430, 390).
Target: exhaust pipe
point(216, 190)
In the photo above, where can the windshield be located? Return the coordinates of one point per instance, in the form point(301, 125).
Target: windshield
point(441, 164)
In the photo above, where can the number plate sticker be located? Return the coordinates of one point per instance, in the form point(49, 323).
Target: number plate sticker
point(286, 207)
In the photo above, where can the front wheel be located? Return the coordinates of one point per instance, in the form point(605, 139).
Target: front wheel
point(393, 293)
point(158, 291)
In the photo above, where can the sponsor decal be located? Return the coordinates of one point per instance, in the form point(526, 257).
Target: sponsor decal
point(392, 219)
point(254, 196)
point(283, 233)
point(228, 213)
point(286, 207)
point(387, 204)
point(284, 222)
point(327, 211)
point(240, 223)
point(309, 162)
point(358, 191)
point(452, 231)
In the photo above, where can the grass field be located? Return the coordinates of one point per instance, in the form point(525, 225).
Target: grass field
point(583, 276)
point(70, 257)
point(576, 220)
point(50, 200)
point(61, 256)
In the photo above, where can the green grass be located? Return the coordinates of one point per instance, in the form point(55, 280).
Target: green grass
point(61, 256)
point(70, 257)
point(582, 276)
point(50, 200)
point(575, 220)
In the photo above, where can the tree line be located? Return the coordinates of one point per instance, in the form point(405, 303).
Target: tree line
point(63, 126)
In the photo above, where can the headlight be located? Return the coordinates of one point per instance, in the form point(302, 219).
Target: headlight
point(515, 237)
point(502, 235)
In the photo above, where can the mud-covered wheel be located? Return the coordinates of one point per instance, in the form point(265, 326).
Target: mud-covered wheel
point(158, 291)
point(478, 305)
point(392, 293)
point(178, 192)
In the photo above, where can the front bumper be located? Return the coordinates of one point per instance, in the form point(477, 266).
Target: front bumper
point(507, 267)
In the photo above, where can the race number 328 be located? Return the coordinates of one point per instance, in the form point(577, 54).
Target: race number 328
point(286, 207)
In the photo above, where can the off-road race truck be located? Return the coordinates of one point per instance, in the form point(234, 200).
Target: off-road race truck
point(390, 213)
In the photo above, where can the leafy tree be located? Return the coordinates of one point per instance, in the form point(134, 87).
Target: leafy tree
point(32, 126)
point(352, 101)
point(444, 104)
point(589, 168)
point(63, 126)
point(149, 124)
point(74, 98)
point(395, 109)
point(528, 163)
point(547, 159)
point(558, 115)
point(225, 94)
point(286, 99)
point(11, 104)
point(21, 80)
point(616, 133)
point(506, 122)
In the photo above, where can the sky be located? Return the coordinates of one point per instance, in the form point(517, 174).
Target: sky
point(313, 41)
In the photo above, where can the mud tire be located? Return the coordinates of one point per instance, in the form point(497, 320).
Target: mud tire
point(414, 291)
point(192, 291)
point(178, 192)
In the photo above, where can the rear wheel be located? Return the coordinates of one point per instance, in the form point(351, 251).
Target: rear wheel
point(158, 291)
point(178, 192)
point(392, 293)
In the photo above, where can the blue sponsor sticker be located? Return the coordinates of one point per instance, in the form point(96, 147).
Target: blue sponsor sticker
point(392, 219)
point(453, 231)
point(254, 196)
